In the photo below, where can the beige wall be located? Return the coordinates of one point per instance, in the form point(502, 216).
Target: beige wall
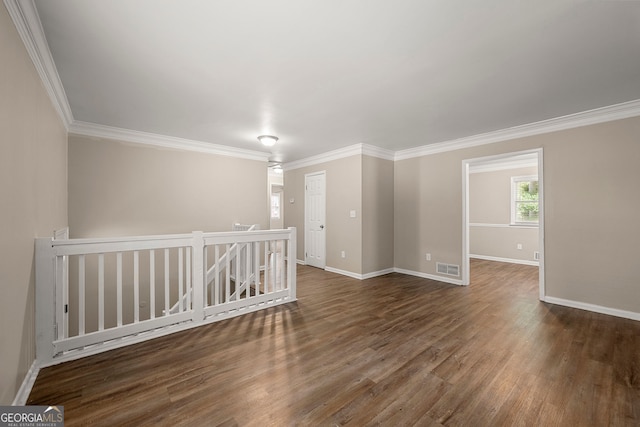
point(377, 214)
point(33, 190)
point(122, 189)
point(490, 194)
point(344, 193)
point(590, 237)
point(489, 206)
point(502, 242)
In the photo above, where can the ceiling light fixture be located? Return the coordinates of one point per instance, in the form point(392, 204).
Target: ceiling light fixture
point(268, 140)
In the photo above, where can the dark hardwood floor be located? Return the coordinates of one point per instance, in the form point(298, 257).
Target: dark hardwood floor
point(393, 350)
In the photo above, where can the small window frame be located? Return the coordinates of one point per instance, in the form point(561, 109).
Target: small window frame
point(515, 180)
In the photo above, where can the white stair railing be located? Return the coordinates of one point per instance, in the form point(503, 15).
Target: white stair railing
point(93, 295)
point(233, 254)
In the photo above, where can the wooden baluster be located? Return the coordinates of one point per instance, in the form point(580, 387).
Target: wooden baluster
point(267, 244)
point(208, 293)
point(81, 291)
point(166, 282)
point(238, 278)
point(136, 286)
point(256, 267)
point(216, 276)
point(227, 275)
point(119, 288)
point(152, 284)
point(180, 281)
point(189, 284)
point(100, 292)
point(247, 269)
point(280, 261)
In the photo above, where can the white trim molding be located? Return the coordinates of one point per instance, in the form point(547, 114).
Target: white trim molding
point(380, 153)
point(592, 307)
point(483, 224)
point(344, 273)
point(27, 21)
point(516, 162)
point(428, 276)
point(358, 275)
point(378, 273)
point(127, 135)
point(341, 153)
point(598, 115)
point(27, 384)
point(509, 260)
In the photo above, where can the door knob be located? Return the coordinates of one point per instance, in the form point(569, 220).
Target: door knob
point(322, 227)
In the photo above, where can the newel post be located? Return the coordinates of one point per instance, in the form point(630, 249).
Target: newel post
point(199, 276)
point(45, 299)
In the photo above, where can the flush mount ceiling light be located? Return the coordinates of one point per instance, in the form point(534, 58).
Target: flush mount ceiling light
point(268, 140)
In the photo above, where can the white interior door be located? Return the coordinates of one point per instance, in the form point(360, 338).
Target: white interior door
point(314, 219)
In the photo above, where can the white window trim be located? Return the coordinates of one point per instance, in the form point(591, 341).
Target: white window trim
point(514, 180)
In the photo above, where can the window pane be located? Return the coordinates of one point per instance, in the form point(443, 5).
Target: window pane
point(527, 190)
point(527, 211)
point(525, 199)
point(275, 206)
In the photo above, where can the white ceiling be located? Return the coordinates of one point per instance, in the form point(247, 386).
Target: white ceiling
point(326, 74)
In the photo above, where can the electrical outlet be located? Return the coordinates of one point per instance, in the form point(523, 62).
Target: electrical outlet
point(427, 257)
point(519, 246)
point(343, 254)
point(536, 255)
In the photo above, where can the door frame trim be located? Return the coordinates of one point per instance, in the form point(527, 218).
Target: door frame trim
point(465, 213)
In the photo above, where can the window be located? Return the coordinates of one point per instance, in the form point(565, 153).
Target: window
point(524, 200)
point(275, 205)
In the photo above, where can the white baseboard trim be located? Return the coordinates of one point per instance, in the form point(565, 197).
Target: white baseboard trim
point(509, 260)
point(360, 276)
point(378, 273)
point(344, 272)
point(300, 262)
point(593, 307)
point(428, 276)
point(27, 384)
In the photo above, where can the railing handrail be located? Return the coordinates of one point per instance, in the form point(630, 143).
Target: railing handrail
point(249, 294)
point(119, 244)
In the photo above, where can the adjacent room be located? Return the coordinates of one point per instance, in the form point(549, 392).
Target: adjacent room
point(320, 213)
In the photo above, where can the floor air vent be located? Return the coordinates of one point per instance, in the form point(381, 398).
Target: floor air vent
point(450, 269)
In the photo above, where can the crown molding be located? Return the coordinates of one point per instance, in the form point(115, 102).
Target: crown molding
point(341, 153)
point(585, 118)
point(380, 153)
point(523, 161)
point(126, 135)
point(26, 20)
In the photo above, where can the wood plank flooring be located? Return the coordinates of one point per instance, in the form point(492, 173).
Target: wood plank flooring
point(393, 351)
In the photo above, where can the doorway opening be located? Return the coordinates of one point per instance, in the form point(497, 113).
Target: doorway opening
point(276, 197)
point(517, 238)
